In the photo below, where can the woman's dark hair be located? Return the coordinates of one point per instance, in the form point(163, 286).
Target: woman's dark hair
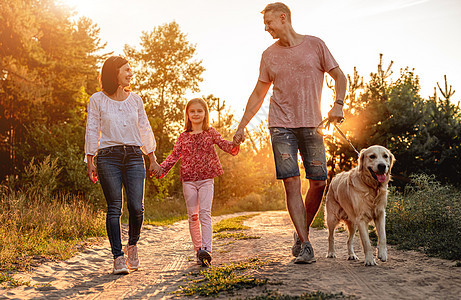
point(109, 72)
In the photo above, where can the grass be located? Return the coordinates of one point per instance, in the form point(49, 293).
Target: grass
point(33, 228)
point(271, 295)
point(227, 278)
point(162, 212)
point(235, 236)
point(11, 281)
point(426, 216)
point(235, 223)
point(165, 221)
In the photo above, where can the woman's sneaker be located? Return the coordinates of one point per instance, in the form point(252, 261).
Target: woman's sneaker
point(121, 266)
point(132, 254)
point(205, 257)
point(306, 256)
point(296, 249)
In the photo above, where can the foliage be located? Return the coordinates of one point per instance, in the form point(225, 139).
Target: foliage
point(318, 295)
point(437, 148)
point(12, 282)
point(227, 278)
point(165, 69)
point(46, 58)
point(235, 236)
point(235, 223)
point(426, 217)
point(163, 211)
point(32, 226)
point(423, 135)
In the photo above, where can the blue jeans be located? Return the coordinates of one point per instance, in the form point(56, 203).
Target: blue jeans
point(286, 142)
point(122, 166)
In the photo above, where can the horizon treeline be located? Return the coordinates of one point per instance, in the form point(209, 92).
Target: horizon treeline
point(49, 69)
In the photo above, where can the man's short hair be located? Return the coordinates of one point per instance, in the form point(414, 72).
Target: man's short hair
point(279, 7)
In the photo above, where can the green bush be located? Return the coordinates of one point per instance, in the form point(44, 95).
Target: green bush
point(427, 217)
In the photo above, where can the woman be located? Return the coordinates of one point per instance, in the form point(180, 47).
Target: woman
point(118, 132)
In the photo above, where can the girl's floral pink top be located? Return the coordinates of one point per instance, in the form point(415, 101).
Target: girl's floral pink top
point(199, 159)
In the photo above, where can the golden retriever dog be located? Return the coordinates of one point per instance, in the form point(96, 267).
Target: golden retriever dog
point(359, 196)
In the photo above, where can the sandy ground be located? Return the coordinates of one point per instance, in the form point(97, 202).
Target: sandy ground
point(166, 255)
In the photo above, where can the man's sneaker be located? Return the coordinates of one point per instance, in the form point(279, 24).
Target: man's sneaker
point(205, 257)
point(132, 256)
point(306, 256)
point(296, 249)
point(121, 266)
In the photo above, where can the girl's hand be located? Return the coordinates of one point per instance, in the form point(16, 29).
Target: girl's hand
point(239, 137)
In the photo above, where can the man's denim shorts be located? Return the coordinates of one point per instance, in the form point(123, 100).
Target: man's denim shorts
point(287, 141)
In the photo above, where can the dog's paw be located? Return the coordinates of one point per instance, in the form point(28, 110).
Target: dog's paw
point(370, 262)
point(382, 254)
point(331, 255)
point(352, 257)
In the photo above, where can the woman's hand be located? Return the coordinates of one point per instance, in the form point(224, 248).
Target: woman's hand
point(92, 171)
point(155, 169)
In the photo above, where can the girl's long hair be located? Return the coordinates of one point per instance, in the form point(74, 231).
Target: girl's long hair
point(206, 120)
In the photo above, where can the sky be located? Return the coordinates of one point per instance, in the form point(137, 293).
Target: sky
point(230, 38)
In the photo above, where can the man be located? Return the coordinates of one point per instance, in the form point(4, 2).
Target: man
point(295, 64)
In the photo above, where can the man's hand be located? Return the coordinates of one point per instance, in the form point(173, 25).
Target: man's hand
point(336, 114)
point(239, 136)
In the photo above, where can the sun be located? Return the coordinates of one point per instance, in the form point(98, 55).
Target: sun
point(82, 7)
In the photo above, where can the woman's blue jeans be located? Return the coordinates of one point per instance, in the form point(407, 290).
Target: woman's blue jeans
point(122, 166)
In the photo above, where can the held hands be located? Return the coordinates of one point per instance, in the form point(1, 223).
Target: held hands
point(239, 136)
point(155, 169)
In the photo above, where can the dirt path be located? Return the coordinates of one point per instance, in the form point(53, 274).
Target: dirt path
point(166, 255)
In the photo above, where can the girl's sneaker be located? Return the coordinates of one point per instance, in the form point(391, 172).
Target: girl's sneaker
point(121, 266)
point(198, 261)
point(132, 253)
point(205, 257)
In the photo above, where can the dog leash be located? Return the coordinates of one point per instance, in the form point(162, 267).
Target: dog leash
point(328, 123)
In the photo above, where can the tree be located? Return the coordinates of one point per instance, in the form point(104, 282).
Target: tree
point(165, 70)
point(424, 136)
point(437, 147)
point(47, 60)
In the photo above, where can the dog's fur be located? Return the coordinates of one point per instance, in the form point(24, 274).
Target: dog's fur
point(359, 196)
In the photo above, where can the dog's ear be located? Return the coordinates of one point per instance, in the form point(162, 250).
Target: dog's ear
point(361, 158)
point(392, 159)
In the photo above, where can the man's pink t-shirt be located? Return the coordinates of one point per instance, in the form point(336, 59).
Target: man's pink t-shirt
point(297, 74)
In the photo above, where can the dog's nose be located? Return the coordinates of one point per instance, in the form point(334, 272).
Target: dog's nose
point(382, 168)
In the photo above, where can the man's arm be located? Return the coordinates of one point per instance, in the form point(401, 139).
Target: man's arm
point(253, 105)
point(336, 112)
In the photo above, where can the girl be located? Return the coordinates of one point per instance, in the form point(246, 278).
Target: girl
point(118, 131)
point(199, 165)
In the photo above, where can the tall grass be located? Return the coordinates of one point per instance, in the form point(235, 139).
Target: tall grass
point(32, 227)
point(37, 222)
point(427, 217)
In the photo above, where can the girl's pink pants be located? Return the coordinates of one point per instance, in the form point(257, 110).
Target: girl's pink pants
point(199, 197)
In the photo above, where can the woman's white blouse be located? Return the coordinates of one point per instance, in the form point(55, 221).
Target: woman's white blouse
point(113, 123)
